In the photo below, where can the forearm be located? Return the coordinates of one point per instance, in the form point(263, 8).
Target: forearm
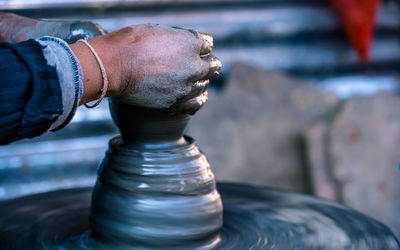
point(14, 28)
point(30, 95)
point(44, 82)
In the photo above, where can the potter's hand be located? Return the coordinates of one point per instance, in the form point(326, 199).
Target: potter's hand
point(15, 28)
point(158, 67)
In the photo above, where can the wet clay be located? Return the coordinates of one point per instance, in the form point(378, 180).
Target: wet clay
point(154, 186)
point(254, 218)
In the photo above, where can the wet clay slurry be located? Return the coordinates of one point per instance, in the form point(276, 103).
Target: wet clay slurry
point(154, 186)
point(155, 190)
point(254, 218)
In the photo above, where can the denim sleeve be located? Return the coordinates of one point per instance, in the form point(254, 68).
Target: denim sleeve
point(30, 92)
point(70, 76)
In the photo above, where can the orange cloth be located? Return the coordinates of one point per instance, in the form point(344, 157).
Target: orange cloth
point(358, 20)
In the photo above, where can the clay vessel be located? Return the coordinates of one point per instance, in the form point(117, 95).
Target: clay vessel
point(154, 186)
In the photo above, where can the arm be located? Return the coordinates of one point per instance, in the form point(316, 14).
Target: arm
point(29, 92)
point(147, 65)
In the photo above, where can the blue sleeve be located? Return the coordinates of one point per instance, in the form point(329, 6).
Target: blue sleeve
point(30, 93)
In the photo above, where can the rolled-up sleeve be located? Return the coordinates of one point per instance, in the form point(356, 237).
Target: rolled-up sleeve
point(40, 86)
point(70, 76)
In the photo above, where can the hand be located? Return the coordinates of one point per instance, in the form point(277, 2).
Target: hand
point(15, 28)
point(158, 67)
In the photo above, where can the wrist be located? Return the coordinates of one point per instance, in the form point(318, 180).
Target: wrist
point(92, 76)
point(109, 59)
point(92, 81)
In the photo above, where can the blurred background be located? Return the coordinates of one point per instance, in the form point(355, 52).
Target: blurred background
point(295, 108)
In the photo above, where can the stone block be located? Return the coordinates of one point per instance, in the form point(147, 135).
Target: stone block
point(363, 145)
point(253, 131)
point(321, 180)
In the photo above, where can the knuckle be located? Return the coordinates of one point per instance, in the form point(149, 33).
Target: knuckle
point(198, 70)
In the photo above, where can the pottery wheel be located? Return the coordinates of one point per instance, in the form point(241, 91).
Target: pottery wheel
point(254, 218)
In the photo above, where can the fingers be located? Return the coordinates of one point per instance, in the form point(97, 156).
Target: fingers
point(206, 42)
point(197, 89)
point(215, 67)
point(198, 95)
point(211, 68)
point(190, 106)
point(206, 68)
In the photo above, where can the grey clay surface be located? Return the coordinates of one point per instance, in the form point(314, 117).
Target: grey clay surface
point(254, 218)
